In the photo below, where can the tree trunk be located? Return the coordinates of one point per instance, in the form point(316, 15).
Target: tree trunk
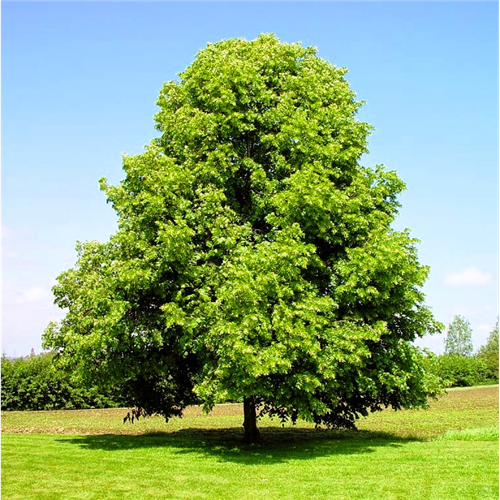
point(252, 433)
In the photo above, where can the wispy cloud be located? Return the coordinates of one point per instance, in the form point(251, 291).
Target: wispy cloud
point(468, 276)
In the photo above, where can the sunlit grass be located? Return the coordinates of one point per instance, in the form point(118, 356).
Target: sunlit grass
point(481, 434)
point(447, 452)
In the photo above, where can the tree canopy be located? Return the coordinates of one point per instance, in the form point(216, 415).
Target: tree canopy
point(489, 352)
point(459, 337)
point(492, 344)
point(254, 257)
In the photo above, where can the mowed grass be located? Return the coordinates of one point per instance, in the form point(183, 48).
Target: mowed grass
point(449, 451)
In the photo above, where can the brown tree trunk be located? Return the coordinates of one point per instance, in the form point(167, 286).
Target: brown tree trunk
point(252, 433)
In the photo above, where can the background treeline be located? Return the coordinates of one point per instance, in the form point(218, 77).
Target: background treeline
point(458, 366)
point(463, 371)
point(37, 383)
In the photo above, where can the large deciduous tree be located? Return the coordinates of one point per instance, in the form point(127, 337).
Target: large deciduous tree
point(254, 258)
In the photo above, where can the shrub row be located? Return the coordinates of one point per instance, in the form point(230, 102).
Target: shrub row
point(463, 371)
point(36, 383)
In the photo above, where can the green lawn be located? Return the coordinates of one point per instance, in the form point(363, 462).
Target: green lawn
point(447, 452)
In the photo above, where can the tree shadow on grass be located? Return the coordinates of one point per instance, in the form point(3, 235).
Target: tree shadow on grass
point(224, 444)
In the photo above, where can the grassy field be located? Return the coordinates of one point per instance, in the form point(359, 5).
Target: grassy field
point(449, 451)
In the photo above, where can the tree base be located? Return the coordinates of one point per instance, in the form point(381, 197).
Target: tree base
point(252, 433)
point(253, 437)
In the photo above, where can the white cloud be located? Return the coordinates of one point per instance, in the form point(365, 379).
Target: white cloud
point(468, 276)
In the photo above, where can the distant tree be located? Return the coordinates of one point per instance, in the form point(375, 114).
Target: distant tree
point(254, 258)
point(459, 337)
point(492, 344)
point(489, 352)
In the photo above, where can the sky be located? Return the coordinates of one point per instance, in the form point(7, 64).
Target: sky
point(79, 83)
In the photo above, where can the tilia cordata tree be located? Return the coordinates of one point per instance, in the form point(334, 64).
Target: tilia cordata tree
point(254, 258)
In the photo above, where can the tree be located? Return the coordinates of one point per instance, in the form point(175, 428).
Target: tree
point(459, 337)
point(491, 345)
point(489, 352)
point(254, 258)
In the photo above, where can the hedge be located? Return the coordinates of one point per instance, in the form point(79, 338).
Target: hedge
point(36, 383)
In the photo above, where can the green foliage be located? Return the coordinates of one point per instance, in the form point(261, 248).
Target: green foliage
point(491, 345)
point(37, 383)
point(491, 361)
point(462, 371)
point(489, 353)
point(254, 256)
point(459, 337)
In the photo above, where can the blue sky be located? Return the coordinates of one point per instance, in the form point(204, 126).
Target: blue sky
point(79, 87)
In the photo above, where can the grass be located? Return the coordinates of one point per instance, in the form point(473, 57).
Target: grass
point(481, 434)
point(448, 451)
